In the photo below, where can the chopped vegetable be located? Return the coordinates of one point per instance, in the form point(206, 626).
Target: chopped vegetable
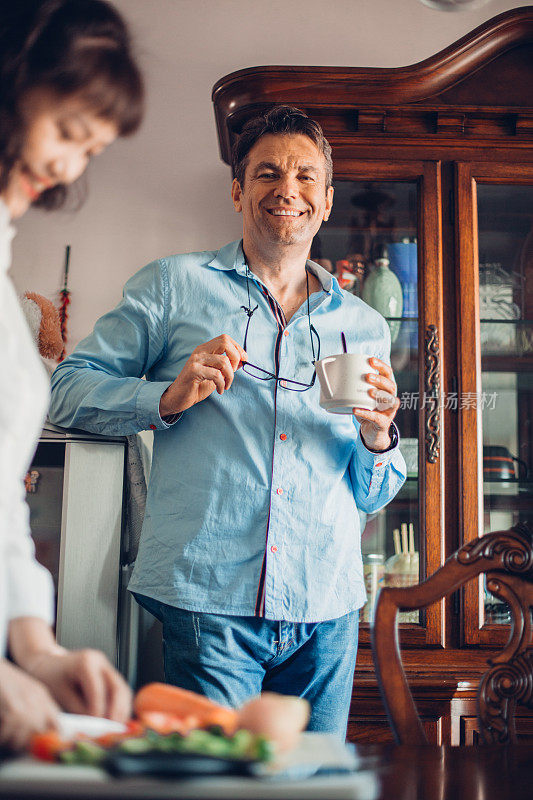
point(174, 720)
point(242, 746)
point(181, 703)
point(168, 723)
point(83, 752)
point(46, 746)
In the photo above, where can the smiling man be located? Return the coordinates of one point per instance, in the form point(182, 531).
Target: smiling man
point(250, 552)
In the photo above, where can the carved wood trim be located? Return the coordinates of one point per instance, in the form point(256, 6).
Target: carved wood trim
point(501, 689)
point(339, 89)
point(507, 557)
point(508, 550)
point(509, 681)
point(432, 393)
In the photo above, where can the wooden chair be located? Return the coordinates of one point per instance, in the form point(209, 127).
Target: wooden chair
point(506, 557)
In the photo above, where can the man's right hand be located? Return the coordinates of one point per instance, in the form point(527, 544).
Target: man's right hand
point(26, 707)
point(211, 366)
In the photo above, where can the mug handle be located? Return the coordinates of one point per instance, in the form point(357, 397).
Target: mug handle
point(324, 362)
point(524, 467)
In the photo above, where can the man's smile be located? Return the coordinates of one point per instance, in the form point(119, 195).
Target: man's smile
point(285, 212)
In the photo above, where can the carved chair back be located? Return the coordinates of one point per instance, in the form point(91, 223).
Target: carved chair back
point(506, 558)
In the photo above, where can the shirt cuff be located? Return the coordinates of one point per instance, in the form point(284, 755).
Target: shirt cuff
point(147, 407)
point(370, 458)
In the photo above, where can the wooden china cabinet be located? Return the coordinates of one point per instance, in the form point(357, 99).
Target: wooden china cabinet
point(434, 173)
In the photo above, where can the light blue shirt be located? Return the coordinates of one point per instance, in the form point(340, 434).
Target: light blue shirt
point(229, 497)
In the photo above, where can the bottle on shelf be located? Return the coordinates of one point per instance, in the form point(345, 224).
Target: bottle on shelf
point(382, 290)
point(373, 571)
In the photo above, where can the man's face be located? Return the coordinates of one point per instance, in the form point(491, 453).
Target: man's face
point(284, 198)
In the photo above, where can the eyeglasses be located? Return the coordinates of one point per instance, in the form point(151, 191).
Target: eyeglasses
point(264, 375)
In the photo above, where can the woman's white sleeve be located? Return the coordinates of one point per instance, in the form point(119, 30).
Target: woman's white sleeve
point(30, 591)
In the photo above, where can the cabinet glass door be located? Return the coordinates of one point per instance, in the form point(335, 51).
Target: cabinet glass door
point(505, 245)
point(502, 281)
point(371, 244)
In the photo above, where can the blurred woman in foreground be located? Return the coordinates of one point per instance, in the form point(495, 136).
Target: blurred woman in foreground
point(69, 86)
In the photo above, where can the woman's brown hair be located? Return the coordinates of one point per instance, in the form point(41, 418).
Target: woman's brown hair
point(72, 47)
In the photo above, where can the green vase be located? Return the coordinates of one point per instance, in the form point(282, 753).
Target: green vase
point(382, 290)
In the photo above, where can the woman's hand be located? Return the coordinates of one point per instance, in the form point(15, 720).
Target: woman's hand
point(26, 707)
point(80, 681)
point(210, 366)
point(375, 424)
point(83, 682)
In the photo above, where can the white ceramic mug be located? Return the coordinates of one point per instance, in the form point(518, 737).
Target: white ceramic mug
point(342, 382)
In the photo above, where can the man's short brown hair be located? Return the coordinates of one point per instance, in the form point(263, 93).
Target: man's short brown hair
point(279, 120)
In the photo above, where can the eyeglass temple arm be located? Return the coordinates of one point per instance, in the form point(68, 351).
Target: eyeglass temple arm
point(249, 311)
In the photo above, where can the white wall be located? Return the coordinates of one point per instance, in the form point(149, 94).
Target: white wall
point(166, 190)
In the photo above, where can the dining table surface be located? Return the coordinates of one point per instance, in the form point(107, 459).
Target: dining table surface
point(383, 772)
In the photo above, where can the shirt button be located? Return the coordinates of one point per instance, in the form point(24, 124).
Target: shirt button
point(283, 383)
point(273, 549)
point(279, 491)
point(153, 428)
point(283, 436)
point(285, 333)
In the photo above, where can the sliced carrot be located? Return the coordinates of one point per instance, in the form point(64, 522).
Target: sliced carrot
point(167, 723)
point(134, 728)
point(182, 703)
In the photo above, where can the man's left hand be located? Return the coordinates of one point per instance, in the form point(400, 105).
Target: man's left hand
point(375, 424)
point(83, 682)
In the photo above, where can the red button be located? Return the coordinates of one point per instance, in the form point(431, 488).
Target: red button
point(153, 428)
point(285, 333)
point(279, 491)
point(283, 436)
point(273, 549)
point(283, 383)
point(380, 464)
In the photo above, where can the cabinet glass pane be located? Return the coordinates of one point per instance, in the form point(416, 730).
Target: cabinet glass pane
point(505, 220)
point(370, 243)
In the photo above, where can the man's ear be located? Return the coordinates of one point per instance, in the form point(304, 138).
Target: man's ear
point(329, 203)
point(236, 195)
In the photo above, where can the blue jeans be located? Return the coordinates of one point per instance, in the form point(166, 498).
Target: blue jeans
point(231, 659)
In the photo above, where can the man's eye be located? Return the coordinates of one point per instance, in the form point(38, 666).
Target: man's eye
point(269, 175)
point(306, 178)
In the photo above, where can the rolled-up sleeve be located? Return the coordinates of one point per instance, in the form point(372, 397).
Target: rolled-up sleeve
point(100, 387)
point(376, 477)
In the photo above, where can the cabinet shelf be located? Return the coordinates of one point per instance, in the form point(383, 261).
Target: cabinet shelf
point(399, 231)
point(509, 362)
point(506, 321)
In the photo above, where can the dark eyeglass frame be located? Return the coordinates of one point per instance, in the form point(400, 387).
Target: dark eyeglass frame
point(295, 386)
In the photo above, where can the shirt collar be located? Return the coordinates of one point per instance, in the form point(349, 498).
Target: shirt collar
point(328, 281)
point(231, 256)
